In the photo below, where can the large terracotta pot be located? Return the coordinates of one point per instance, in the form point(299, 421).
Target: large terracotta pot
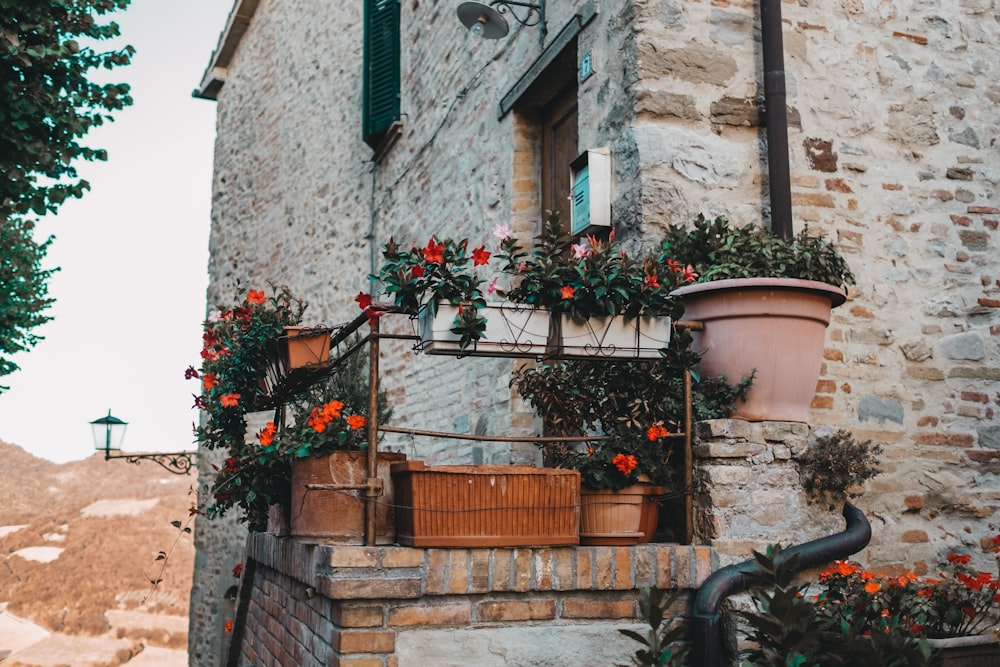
point(609, 517)
point(775, 326)
point(338, 516)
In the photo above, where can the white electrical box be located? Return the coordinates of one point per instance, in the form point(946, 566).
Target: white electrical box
point(591, 192)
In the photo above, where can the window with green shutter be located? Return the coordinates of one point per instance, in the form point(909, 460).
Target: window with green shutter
point(381, 69)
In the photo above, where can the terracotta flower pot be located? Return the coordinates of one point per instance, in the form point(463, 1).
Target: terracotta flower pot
point(775, 326)
point(609, 517)
point(650, 512)
point(306, 346)
point(338, 516)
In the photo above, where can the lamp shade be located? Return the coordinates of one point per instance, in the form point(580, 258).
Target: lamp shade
point(109, 432)
point(482, 20)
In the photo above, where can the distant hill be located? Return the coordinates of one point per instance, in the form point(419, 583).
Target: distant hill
point(87, 544)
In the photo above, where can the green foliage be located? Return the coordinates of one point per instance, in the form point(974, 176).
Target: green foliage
point(591, 279)
point(46, 104)
point(23, 282)
point(622, 399)
point(345, 391)
point(787, 628)
point(46, 100)
point(234, 364)
point(661, 643)
point(718, 251)
point(421, 277)
point(835, 462)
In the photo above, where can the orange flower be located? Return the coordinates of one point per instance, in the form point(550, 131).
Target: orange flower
point(566, 292)
point(256, 296)
point(208, 381)
point(434, 252)
point(626, 464)
point(332, 410)
point(356, 421)
point(266, 435)
point(229, 626)
point(873, 587)
point(657, 431)
point(229, 400)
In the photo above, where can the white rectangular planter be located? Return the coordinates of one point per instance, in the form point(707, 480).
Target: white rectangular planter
point(614, 338)
point(512, 330)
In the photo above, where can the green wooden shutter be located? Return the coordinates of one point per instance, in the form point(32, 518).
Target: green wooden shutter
point(381, 69)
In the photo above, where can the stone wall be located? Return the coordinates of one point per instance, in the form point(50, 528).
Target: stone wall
point(893, 118)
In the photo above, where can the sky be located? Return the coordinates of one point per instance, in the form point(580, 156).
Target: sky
point(133, 256)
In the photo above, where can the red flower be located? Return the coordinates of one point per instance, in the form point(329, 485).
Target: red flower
point(480, 256)
point(956, 558)
point(652, 282)
point(674, 265)
point(266, 435)
point(566, 292)
point(625, 464)
point(364, 300)
point(356, 421)
point(229, 626)
point(209, 381)
point(229, 400)
point(256, 297)
point(433, 253)
point(689, 275)
point(657, 431)
point(417, 272)
point(238, 570)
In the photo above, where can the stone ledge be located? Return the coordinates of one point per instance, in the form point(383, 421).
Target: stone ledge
point(360, 572)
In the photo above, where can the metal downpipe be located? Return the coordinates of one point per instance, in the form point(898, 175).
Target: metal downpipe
point(706, 629)
point(776, 115)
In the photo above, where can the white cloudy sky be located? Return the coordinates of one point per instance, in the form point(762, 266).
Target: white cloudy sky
point(133, 255)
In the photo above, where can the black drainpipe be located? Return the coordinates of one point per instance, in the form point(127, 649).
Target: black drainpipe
point(779, 182)
point(706, 628)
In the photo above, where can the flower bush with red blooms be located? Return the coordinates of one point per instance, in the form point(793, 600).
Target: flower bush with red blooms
point(622, 459)
point(956, 602)
point(594, 278)
point(234, 360)
point(321, 429)
point(437, 272)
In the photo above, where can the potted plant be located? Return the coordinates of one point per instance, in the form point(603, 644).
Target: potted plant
point(765, 304)
point(235, 360)
point(639, 406)
point(324, 442)
point(422, 280)
point(602, 300)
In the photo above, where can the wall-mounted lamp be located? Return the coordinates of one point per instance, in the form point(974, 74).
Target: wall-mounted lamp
point(487, 20)
point(109, 433)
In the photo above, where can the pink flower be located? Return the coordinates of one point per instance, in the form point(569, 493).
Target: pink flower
point(492, 287)
point(214, 316)
point(502, 232)
point(580, 250)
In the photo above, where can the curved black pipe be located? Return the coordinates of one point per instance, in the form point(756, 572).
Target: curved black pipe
point(706, 629)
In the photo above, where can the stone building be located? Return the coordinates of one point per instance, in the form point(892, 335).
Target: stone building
point(893, 121)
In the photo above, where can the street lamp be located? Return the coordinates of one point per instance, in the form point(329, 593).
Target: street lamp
point(109, 432)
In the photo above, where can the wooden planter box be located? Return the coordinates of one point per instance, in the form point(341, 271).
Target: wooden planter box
point(972, 651)
point(485, 505)
point(338, 516)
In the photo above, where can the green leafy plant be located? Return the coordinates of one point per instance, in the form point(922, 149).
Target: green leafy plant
point(235, 360)
point(836, 462)
point(956, 602)
point(595, 278)
point(718, 251)
point(663, 642)
point(787, 627)
point(439, 272)
point(626, 401)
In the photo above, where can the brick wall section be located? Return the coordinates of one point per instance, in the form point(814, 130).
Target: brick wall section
point(326, 605)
